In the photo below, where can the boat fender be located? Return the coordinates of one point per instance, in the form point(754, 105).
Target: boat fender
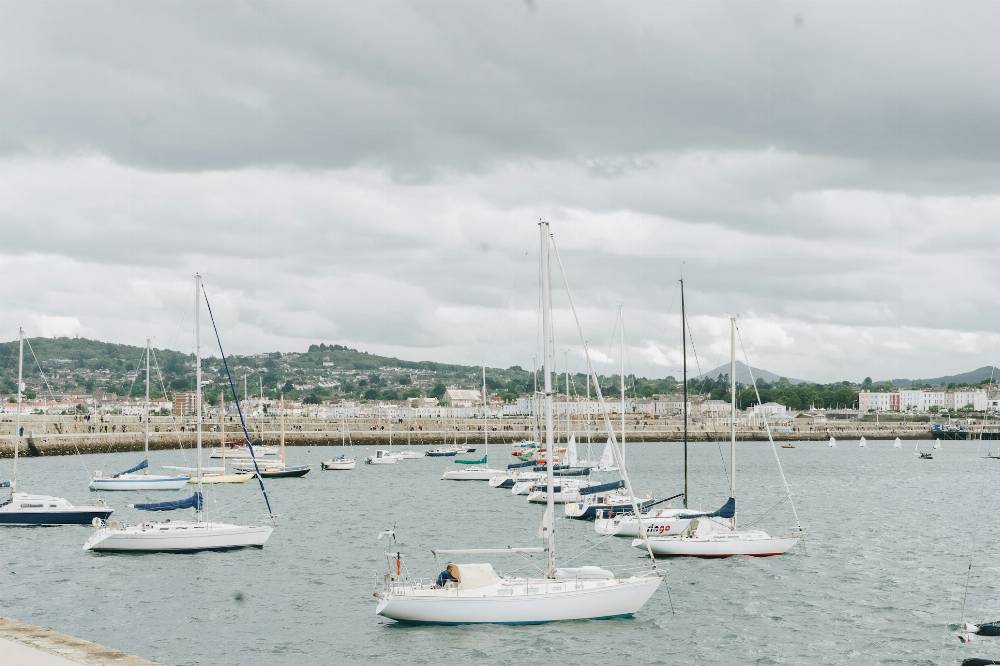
point(399, 565)
point(97, 522)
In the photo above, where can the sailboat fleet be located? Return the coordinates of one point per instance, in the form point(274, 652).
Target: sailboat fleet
point(551, 471)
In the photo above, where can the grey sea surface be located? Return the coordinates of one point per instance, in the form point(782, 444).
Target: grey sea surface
point(877, 579)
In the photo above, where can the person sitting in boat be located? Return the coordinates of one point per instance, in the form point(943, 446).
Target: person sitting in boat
point(449, 575)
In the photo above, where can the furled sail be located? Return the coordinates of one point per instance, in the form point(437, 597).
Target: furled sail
point(196, 502)
point(530, 463)
point(481, 461)
point(602, 487)
point(143, 465)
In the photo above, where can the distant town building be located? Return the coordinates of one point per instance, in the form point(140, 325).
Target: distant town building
point(772, 412)
point(923, 400)
point(185, 403)
point(455, 397)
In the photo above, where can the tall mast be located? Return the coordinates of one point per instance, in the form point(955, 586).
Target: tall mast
point(732, 411)
point(550, 526)
point(222, 427)
point(566, 400)
point(621, 376)
point(486, 423)
point(146, 408)
point(197, 385)
point(684, 355)
point(17, 417)
point(282, 428)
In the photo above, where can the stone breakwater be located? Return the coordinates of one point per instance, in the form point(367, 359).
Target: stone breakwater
point(46, 436)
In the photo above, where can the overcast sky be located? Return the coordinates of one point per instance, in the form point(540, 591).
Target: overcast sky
point(371, 174)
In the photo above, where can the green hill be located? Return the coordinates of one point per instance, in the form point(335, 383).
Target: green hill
point(79, 365)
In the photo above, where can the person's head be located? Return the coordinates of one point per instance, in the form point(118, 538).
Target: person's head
point(452, 569)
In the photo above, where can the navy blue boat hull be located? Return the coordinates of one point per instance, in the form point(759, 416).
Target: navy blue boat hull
point(54, 517)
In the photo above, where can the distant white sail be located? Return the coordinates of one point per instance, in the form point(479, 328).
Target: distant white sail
point(571, 456)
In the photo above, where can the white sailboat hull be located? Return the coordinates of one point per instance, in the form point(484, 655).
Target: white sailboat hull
point(558, 497)
point(259, 451)
point(177, 536)
point(409, 455)
point(472, 474)
point(338, 465)
point(753, 543)
point(661, 523)
point(220, 477)
point(133, 482)
point(519, 601)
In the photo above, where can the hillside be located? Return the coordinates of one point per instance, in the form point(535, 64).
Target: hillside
point(743, 374)
point(977, 376)
point(78, 365)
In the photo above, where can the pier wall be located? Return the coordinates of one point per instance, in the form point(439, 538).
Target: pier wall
point(58, 435)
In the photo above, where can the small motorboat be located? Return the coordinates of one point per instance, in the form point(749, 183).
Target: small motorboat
point(271, 469)
point(441, 453)
point(788, 446)
point(338, 464)
point(26, 509)
point(382, 457)
point(926, 456)
point(409, 455)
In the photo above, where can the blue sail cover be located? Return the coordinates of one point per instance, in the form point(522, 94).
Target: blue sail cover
point(727, 510)
point(143, 465)
point(530, 463)
point(600, 488)
point(196, 501)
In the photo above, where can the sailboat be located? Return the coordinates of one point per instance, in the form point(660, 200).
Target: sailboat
point(897, 443)
point(705, 537)
point(477, 470)
point(937, 444)
point(862, 443)
point(664, 520)
point(132, 479)
point(481, 595)
point(833, 442)
point(341, 463)
point(19, 508)
point(274, 469)
point(185, 535)
point(213, 475)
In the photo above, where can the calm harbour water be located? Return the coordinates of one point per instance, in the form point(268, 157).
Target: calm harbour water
point(878, 578)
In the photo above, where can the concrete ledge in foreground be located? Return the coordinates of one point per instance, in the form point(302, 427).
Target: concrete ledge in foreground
point(29, 645)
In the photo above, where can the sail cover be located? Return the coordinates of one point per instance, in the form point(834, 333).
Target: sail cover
point(727, 510)
point(600, 488)
point(143, 465)
point(530, 463)
point(196, 501)
point(481, 461)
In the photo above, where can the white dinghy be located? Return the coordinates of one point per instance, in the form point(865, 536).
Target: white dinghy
point(706, 537)
point(481, 595)
point(184, 535)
